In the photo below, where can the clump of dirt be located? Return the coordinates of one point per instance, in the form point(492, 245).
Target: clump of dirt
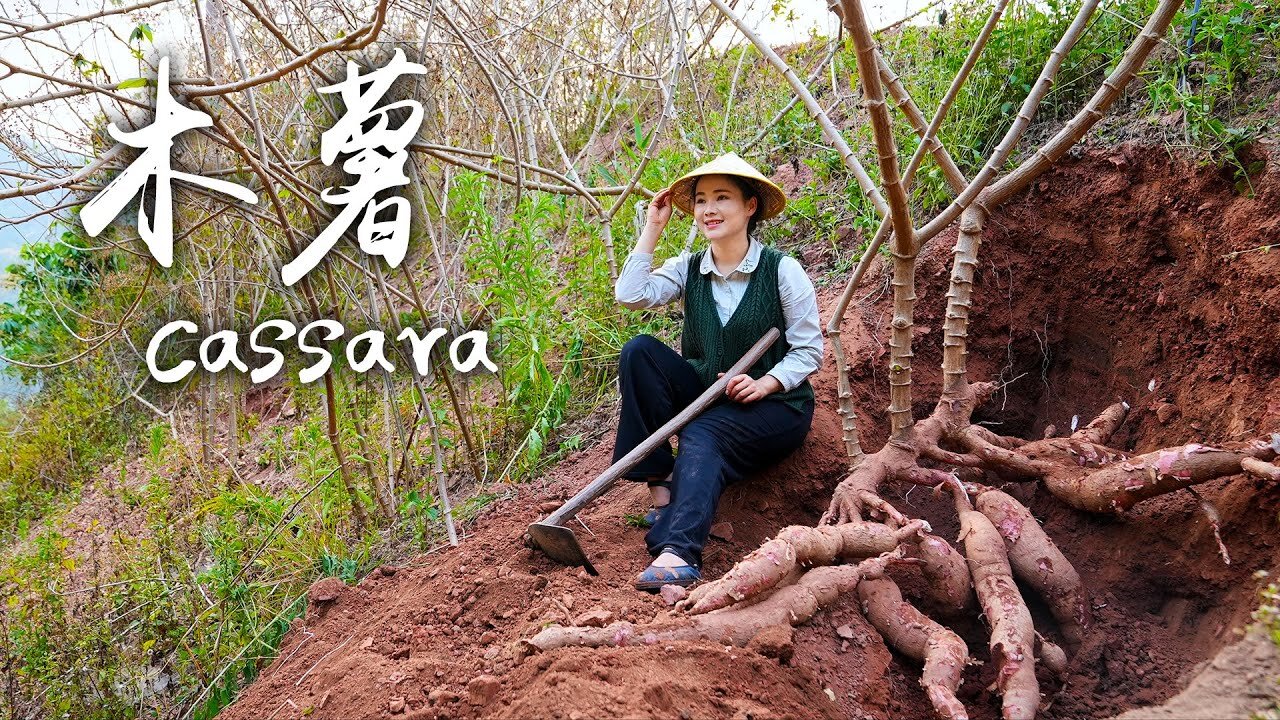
point(1122, 274)
point(1240, 682)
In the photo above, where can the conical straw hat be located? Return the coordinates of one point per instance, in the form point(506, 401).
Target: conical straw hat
point(772, 199)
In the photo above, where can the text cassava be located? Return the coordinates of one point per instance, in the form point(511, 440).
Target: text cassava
point(221, 350)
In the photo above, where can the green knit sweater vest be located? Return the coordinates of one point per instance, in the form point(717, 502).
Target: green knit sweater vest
point(712, 347)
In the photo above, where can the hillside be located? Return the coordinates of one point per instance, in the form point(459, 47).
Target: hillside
point(1120, 272)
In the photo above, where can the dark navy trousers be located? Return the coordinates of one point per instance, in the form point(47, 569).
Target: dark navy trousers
point(723, 444)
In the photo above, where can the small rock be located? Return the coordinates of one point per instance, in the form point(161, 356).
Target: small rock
point(568, 600)
point(723, 531)
point(387, 570)
point(830, 694)
point(488, 637)
point(325, 590)
point(595, 617)
point(672, 594)
point(774, 641)
point(504, 571)
point(396, 706)
point(549, 506)
point(1165, 411)
point(483, 689)
point(440, 696)
point(845, 631)
point(368, 643)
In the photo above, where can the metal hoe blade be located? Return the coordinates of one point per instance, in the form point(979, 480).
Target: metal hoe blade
point(560, 544)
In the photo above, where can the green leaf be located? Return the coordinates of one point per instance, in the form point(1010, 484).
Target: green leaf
point(141, 32)
point(133, 83)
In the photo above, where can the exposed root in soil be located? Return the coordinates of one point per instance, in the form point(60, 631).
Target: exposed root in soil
point(778, 583)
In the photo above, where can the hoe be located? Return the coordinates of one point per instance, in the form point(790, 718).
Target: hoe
point(557, 541)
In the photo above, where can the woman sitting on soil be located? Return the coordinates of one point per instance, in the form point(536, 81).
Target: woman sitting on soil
point(734, 291)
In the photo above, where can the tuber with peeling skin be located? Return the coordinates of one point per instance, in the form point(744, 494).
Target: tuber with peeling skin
point(1012, 633)
point(1038, 562)
point(913, 634)
point(1120, 484)
point(1258, 468)
point(1015, 461)
point(1051, 657)
point(791, 605)
point(1215, 521)
point(947, 574)
point(950, 458)
point(929, 477)
point(1100, 430)
point(794, 546)
point(1003, 441)
point(879, 505)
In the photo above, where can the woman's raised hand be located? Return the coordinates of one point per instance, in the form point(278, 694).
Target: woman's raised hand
point(659, 213)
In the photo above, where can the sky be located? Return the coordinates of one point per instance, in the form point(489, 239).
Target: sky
point(804, 16)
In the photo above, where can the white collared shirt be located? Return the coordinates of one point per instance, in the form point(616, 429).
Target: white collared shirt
point(639, 288)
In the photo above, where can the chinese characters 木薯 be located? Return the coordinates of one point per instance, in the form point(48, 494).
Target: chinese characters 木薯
point(377, 158)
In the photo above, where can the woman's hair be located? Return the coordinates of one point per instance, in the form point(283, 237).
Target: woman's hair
point(748, 190)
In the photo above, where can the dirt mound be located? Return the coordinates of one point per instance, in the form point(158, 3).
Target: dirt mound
point(1239, 682)
point(1115, 274)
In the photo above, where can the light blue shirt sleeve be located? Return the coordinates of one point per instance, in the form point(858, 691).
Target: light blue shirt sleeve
point(804, 332)
point(638, 288)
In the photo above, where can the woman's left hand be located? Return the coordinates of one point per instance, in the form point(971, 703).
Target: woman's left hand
point(744, 389)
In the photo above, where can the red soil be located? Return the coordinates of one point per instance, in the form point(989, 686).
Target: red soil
point(1108, 274)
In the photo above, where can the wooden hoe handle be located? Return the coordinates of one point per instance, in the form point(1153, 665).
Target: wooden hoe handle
point(606, 479)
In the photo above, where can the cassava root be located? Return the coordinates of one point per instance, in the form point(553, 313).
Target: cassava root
point(1012, 634)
